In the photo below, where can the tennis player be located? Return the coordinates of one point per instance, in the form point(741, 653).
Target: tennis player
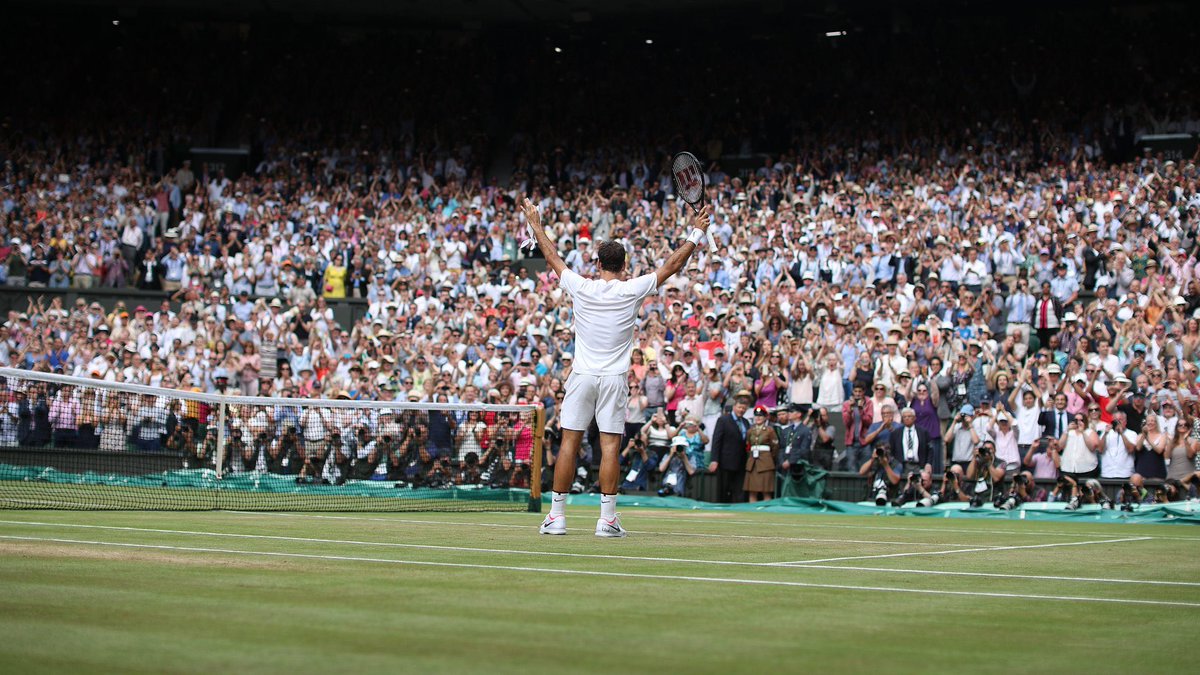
point(606, 311)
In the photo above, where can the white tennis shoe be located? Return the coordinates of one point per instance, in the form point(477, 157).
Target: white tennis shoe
point(610, 528)
point(553, 525)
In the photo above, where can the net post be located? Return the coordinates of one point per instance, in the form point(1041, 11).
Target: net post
point(535, 461)
point(220, 439)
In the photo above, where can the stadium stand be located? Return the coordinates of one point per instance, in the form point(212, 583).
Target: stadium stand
point(339, 221)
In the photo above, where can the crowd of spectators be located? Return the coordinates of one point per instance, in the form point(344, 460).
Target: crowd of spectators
point(1006, 279)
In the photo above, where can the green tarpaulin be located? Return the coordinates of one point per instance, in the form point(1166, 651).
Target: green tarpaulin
point(195, 481)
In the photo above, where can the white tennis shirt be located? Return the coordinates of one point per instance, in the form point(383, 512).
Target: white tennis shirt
point(605, 315)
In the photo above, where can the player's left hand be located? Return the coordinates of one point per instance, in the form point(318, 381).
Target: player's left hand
point(533, 219)
point(531, 213)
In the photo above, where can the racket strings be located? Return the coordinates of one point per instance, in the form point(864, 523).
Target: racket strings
point(689, 178)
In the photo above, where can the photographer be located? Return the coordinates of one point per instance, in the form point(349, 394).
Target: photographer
point(951, 488)
point(501, 476)
point(1023, 490)
point(313, 457)
point(177, 443)
point(987, 472)
point(963, 437)
point(636, 461)
point(1134, 493)
point(882, 472)
point(240, 455)
point(387, 447)
point(337, 466)
point(918, 487)
point(1093, 493)
point(196, 454)
point(286, 453)
point(366, 462)
point(468, 470)
point(440, 474)
point(676, 467)
point(1172, 490)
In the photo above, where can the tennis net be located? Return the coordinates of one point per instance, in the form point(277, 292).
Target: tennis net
point(75, 443)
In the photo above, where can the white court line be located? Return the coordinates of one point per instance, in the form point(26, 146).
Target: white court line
point(640, 516)
point(656, 532)
point(833, 526)
point(352, 542)
point(962, 550)
point(603, 556)
point(991, 575)
point(623, 575)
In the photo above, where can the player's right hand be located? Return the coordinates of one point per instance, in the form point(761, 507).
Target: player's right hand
point(712, 467)
point(702, 218)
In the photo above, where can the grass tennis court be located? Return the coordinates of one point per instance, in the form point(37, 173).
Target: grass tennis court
point(686, 592)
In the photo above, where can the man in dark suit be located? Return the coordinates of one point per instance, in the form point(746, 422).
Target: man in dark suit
point(729, 450)
point(795, 440)
point(1055, 420)
point(910, 445)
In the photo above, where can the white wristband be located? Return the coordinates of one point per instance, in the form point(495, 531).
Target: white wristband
point(696, 235)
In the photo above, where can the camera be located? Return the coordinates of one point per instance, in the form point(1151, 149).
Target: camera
point(1009, 501)
point(881, 492)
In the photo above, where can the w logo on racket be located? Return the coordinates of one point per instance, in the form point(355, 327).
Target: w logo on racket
point(689, 178)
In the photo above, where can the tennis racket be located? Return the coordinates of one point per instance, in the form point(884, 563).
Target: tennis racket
point(689, 178)
point(689, 184)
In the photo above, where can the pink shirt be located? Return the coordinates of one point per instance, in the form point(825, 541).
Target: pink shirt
point(63, 413)
point(1043, 466)
point(524, 444)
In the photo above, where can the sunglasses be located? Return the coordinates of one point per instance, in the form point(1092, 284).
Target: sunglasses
point(1093, 410)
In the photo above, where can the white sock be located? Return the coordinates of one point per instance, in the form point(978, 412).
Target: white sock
point(608, 507)
point(558, 502)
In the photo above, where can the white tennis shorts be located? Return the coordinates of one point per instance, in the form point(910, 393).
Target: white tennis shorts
point(601, 396)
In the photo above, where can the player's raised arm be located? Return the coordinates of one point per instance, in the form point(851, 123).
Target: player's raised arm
point(553, 260)
point(700, 221)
